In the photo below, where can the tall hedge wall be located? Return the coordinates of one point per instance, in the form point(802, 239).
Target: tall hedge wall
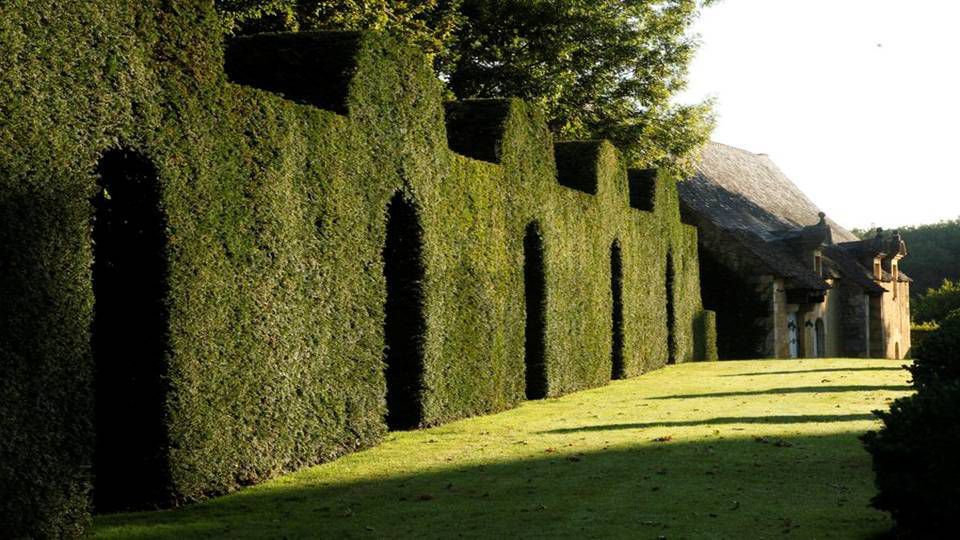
point(273, 194)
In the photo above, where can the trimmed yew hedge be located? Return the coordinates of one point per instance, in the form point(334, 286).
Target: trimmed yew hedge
point(274, 209)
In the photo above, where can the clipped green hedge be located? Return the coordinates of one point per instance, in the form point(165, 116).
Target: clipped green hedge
point(275, 209)
point(706, 333)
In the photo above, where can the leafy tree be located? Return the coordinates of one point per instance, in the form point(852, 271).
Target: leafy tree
point(426, 23)
point(252, 16)
point(936, 304)
point(599, 68)
point(934, 254)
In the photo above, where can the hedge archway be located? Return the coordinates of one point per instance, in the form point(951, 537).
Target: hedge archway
point(129, 334)
point(669, 281)
point(404, 321)
point(535, 300)
point(616, 291)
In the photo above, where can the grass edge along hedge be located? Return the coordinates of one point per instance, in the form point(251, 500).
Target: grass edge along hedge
point(275, 213)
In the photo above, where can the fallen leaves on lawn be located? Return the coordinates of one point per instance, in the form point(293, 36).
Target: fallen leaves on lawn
point(779, 443)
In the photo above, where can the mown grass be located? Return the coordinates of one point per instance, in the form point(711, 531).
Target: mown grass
point(757, 449)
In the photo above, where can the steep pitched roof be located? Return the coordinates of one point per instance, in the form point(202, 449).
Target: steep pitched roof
point(737, 189)
point(761, 212)
point(778, 259)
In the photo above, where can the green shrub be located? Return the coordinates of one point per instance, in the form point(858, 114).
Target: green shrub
point(936, 304)
point(937, 356)
point(915, 461)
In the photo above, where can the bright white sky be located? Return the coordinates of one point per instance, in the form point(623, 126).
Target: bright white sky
point(858, 101)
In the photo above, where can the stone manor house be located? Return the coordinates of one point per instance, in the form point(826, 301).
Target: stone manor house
point(785, 281)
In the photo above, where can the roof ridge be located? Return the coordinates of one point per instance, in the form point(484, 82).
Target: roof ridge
point(732, 147)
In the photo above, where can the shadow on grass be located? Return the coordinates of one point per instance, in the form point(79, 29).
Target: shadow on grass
point(797, 390)
point(801, 371)
point(717, 488)
point(797, 419)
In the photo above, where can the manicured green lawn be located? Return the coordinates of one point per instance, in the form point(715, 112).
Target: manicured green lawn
point(759, 449)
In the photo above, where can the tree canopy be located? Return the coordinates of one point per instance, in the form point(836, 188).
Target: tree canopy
point(936, 304)
point(599, 68)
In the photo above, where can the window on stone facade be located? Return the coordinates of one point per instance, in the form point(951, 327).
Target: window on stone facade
point(876, 270)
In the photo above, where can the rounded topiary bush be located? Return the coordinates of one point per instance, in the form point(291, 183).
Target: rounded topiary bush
point(937, 357)
point(916, 464)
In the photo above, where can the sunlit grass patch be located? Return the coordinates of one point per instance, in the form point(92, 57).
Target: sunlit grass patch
point(712, 450)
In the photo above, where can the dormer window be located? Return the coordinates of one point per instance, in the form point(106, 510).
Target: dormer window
point(877, 273)
point(818, 264)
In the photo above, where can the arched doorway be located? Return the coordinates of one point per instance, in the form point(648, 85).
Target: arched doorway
point(404, 322)
point(616, 292)
point(535, 301)
point(671, 311)
point(129, 335)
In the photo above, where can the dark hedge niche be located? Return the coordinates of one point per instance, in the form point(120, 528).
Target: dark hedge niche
point(642, 184)
point(671, 311)
point(577, 165)
point(616, 290)
point(307, 67)
point(404, 322)
point(129, 335)
point(535, 297)
point(475, 127)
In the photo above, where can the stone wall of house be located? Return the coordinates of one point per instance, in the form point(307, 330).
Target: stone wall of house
point(854, 324)
point(895, 315)
point(834, 323)
point(778, 335)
